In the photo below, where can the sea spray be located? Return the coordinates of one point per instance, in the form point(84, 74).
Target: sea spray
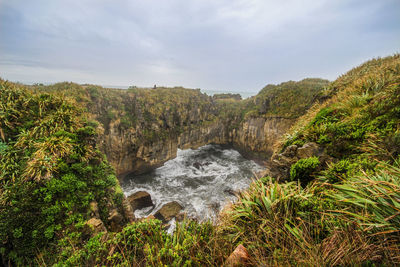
point(203, 181)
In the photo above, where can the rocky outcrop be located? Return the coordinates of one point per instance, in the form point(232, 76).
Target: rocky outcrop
point(115, 220)
point(279, 166)
point(168, 211)
point(93, 227)
point(141, 130)
point(254, 137)
point(128, 155)
point(128, 211)
point(239, 257)
point(140, 200)
point(258, 136)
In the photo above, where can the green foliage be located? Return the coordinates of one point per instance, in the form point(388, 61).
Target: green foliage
point(372, 200)
point(364, 110)
point(50, 172)
point(289, 99)
point(278, 222)
point(3, 148)
point(303, 169)
point(349, 215)
point(340, 171)
point(145, 243)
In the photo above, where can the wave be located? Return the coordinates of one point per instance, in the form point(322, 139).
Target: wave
point(202, 180)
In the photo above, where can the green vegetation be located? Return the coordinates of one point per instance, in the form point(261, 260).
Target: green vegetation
point(154, 114)
point(339, 209)
point(302, 169)
point(227, 96)
point(349, 214)
point(146, 243)
point(289, 99)
point(50, 172)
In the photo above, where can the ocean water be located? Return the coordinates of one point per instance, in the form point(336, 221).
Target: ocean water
point(244, 94)
point(201, 180)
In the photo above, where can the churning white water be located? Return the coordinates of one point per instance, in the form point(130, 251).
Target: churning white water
point(203, 181)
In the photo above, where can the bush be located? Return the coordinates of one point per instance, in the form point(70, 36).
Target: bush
point(50, 172)
point(339, 171)
point(303, 169)
point(146, 243)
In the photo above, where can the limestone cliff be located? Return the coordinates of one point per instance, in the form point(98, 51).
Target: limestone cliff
point(189, 119)
point(140, 129)
point(258, 136)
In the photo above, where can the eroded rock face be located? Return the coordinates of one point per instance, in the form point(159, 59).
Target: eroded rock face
point(168, 211)
point(254, 137)
point(116, 220)
point(260, 135)
point(128, 211)
point(94, 226)
point(281, 163)
point(140, 200)
point(140, 129)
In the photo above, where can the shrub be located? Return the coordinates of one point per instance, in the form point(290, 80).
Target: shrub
point(50, 172)
point(146, 243)
point(339, 171)
point(303, 169)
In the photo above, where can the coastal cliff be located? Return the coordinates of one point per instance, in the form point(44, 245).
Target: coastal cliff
point(254, 126)
point(140, 129)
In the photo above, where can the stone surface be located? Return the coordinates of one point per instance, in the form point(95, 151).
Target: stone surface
point(280, 164)
point(94, 209)
point(168, 211)
point(308, 150)
point(94, 226)
point(128, 211)
point(140, 200)
point(116, 220)
point(239, 257)
point(254, 137)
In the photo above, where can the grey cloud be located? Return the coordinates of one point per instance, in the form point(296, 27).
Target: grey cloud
point(224, 45)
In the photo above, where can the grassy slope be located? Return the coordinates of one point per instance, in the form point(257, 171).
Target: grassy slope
point(350, 213)
point(289, 99)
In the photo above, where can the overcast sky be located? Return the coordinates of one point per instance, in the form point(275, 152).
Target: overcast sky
point(233, 45)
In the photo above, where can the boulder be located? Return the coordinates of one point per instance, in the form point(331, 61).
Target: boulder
point(94, 209)
point(308, 150)
point(116, 220)
point(128, 211)
point(140, 200)
point(93, 227)
point(168, 211)
point(239, 257)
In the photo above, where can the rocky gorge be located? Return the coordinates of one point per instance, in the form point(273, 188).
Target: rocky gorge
point(328, 196)
point(254, 137)
point(142, 129)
